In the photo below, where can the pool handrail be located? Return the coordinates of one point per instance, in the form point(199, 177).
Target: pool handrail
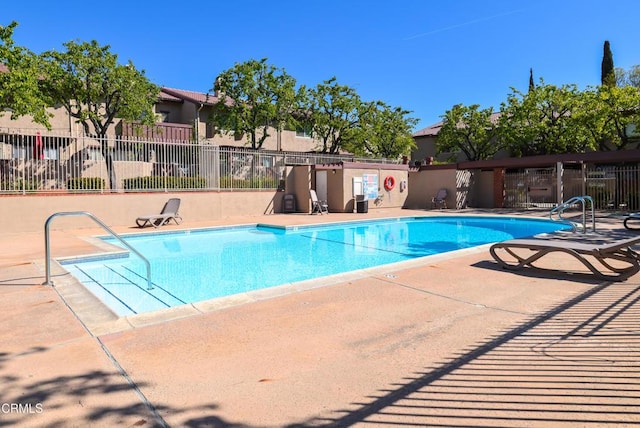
point(47, 247)
point(584, 200)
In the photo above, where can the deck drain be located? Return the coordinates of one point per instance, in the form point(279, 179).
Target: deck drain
point(391, 276)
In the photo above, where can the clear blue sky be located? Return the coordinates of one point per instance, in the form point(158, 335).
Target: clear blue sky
point(424, 56)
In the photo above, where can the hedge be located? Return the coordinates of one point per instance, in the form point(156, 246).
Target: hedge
point(254, 183)
point(85, 183)
point(27, 185)
point(161, 182)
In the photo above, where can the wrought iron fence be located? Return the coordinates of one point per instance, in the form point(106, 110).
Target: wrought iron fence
point(612, 187)
point(48, 163)
point(530, 188)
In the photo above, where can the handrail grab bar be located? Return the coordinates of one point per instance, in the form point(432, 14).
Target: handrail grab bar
point(47, 248)
point(559, 209)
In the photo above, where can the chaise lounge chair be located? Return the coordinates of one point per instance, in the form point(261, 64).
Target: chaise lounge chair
point(633, 217)
point(168, 213)
point(318, 206)
point(627, 261)
point(439, 200)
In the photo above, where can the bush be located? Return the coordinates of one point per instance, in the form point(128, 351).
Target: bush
point(255, 183)
point(85, 183)
point(161, 182)
point(19, 185)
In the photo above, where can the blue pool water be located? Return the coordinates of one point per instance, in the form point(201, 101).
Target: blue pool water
point(196, 265)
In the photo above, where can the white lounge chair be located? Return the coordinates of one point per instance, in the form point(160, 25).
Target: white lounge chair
point(626, 260)
point(169, 212)
point(318, 206)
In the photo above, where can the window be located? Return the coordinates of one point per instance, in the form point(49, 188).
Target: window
point(266, 161)
point(50, 153)
point(19, 152)
point(23, 152)
point(164, 116)
point(93, 153)
point(303, 132)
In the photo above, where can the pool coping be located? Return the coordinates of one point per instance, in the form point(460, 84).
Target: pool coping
point(99, 319)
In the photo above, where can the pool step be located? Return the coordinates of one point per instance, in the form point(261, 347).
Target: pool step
point(124, 291)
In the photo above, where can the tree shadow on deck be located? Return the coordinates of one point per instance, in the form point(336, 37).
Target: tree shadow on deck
point(70, 400)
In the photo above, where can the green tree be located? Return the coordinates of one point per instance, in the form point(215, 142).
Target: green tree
point(95, 89)
point(543, 121)
point(333, 113)
point(254, 97)
point(20, 91)
point(470, 130)
point(592, 117)
point(618, 110)
point(629, 77)
point(383, 131)
point(608, 77)
point(88, 82)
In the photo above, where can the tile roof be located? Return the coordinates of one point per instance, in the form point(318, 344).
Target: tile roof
point(164, 96)
point(429, 131)
point(191, 96)
point(433, 130)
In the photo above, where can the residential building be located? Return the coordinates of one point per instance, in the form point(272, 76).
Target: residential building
point(182, 116)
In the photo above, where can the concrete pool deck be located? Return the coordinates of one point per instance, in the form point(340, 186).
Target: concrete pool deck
point(454, 341)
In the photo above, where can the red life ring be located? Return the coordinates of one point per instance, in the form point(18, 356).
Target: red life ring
point(389, 183)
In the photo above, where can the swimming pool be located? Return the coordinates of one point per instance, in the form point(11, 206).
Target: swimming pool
point(195, 265)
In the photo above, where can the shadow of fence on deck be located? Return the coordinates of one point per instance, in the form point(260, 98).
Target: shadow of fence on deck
point(578, 364)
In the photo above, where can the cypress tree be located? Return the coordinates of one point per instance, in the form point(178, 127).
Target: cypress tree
point(608, 77)
point(532, 86)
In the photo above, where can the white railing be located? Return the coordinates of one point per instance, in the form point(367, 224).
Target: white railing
point(48, 163)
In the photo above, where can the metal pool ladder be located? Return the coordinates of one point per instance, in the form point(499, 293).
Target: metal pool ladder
point(571, 202)
point(47, 249)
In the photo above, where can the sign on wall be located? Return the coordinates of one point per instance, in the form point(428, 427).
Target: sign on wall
point(370, 182)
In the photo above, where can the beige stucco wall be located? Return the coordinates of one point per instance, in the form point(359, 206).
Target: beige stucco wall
point(340, 188)
point(425, 147)
point(292, 143)
point(289, 142)
point(481, 192)
point(29, 213)
point(465, 188)
point(424, 185)
point(340, 196)
point(297, 183)
point(172, 109)
point(60, 123)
